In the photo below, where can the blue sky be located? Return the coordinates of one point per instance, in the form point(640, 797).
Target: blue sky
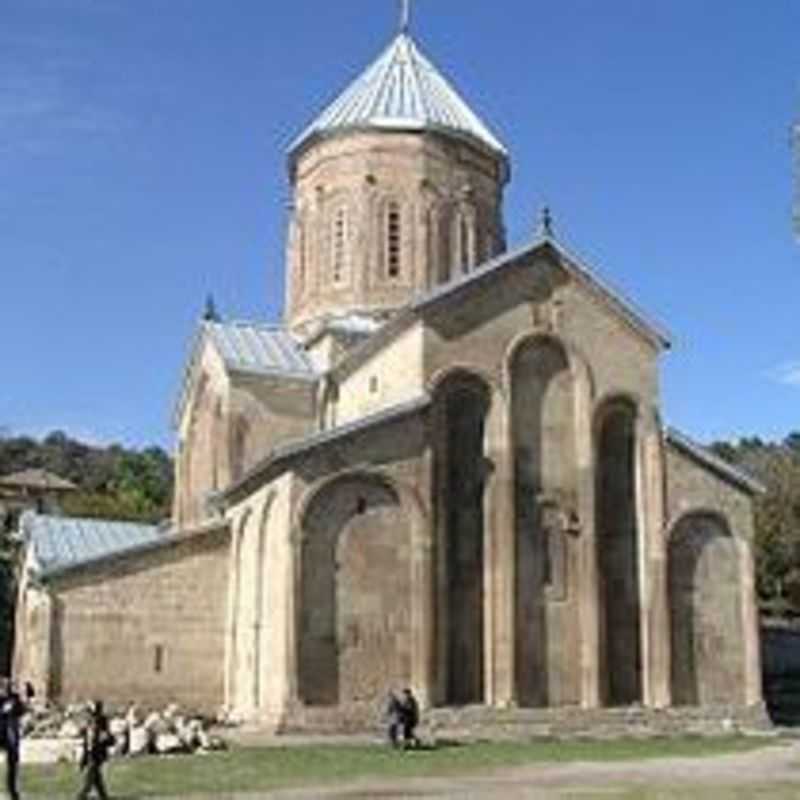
point(142, 165)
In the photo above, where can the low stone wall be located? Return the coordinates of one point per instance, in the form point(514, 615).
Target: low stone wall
point(577, 723)
point(480, 723)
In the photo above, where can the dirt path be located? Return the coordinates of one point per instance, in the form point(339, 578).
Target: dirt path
point(778, 764)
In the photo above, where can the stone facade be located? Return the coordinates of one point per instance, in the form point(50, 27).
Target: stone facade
point(148, 627)
point(379, 217)
point(465, 487)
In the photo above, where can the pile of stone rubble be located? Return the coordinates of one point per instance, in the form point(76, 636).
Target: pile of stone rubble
point(136, 732)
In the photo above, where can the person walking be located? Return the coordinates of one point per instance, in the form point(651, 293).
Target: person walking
point(12, 709)
point(409, 715)
point(97, 740)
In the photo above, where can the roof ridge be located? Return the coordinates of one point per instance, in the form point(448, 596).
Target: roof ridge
point(278, 326)
point(714, 461)
point(90, 520)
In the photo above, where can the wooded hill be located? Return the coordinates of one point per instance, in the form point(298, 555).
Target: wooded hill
point(777, 545)
point(114, 482)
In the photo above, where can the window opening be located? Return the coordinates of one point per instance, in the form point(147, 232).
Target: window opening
point(393, 240)
point(158, 658)
point(339, 244)
point(464, 243)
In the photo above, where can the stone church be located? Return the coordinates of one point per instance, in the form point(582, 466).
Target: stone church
point(447, 469)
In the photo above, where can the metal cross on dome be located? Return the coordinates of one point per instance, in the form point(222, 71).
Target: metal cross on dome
point(405, 15)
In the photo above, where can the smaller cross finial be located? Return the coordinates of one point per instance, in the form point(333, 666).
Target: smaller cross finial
point(546, 222)
point(210, 313)
point(405, 15)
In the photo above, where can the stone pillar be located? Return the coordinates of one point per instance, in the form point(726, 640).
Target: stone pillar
point(423, 601)
point(643, 503)
point(750, 627)
point(423, 621)
point(501, 561)
point(237, 524)
point(589, 600)
point(655, 536)
point(291, 618)
point(36, 629)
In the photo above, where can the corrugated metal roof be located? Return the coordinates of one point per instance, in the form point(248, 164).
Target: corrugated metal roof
point(61, 543)
point(262, 349)
point(248, 347)
point(402, 90)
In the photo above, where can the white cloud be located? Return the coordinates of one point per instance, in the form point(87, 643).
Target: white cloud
point(788, 374)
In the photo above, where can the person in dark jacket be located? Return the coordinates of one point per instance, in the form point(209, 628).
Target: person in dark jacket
point(394, 713)
point(97, 740)
point(12, 709)
point(409, 716)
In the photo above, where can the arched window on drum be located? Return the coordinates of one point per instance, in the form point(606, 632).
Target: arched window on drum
point(393, 240)
point(339, 246)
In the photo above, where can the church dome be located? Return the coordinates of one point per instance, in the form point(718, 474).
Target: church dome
point(401, 91)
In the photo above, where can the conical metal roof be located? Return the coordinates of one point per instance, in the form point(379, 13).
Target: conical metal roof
point(402, 90)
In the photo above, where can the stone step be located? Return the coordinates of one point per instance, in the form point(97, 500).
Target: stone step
point(480, 722)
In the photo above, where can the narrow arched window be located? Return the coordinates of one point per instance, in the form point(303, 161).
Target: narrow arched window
point(464, 243)
point(393, 240)
point(339, 245)
point(301, 255)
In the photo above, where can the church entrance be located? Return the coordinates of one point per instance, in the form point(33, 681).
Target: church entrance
point(705, 613)
point(355, 595)
point(462, 405)
point(618, 555)
point(545, 498)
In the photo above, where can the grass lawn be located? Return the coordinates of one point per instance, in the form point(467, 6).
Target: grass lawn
point(262, 769)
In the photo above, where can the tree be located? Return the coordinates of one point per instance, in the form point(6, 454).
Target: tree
point(777, 517)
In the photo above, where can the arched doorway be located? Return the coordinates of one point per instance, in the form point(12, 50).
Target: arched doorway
point(462, 405)
point(355, 632)
point(618, 555)
point(705, 599)
point(545, 499)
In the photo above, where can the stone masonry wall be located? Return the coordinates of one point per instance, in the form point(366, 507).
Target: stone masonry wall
point(691, 487)
point(147, 628)
point(448, 196)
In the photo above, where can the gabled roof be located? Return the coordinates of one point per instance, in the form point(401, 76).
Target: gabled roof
point(574, 265)
point(577, 268)
point(62, 543)
point(259, 349)
point(248, 348)
point(36, 479)
point(402, 90)
point(280, 456)
point(706, 458)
